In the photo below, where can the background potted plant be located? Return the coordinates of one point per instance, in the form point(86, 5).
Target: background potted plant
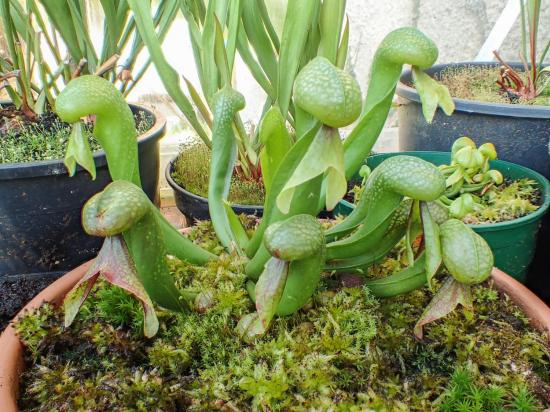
point(251, 35)
point(40, 230)
point(503, 202)
point(506, 104)
point(279, 261)
point(499, 102)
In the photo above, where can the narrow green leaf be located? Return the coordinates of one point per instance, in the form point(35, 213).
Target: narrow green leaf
point(201, 105)
point(60, 16)
point(220, 55)
point(168, 75)
point(330, 24)
point(276, 143)
point(259, 38)
point(269, 25)
point(432, 243)
point(297, 24)
point(254, 67)
point(343, 49)
point(233, 22)
point(237, 228)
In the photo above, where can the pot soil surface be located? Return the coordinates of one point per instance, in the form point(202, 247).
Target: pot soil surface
point(192, 168)
point(46, 137)
point(479, 83)
point(345, 350)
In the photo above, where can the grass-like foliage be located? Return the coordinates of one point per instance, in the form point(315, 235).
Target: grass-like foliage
point(191, 171)
point(344, 350)
point(479, 83)
point(46, 138)
point(464, 393)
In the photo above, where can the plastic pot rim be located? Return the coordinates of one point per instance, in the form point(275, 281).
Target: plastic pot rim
point(542, 182)
point(177, 188)
point(475, 106)
point(46, 167)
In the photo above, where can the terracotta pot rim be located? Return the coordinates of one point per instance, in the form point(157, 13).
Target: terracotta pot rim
point(11, 349)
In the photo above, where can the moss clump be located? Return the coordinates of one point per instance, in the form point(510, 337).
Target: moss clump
point(508, 201)
point(46, 139)
point(192, 168)
point(344, 351)
point(465, 393)
point(479, 83)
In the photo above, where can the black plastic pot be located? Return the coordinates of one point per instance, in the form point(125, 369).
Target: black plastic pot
point(521, 133)
point(196, 207)
point(40, 206)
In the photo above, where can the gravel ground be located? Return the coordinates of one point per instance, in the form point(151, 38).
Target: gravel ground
point(16, 290)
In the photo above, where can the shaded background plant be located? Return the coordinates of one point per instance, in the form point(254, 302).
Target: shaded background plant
point(48, 43)
point(511, 82)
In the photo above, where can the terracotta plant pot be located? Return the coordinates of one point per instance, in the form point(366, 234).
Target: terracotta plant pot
point(11, 348)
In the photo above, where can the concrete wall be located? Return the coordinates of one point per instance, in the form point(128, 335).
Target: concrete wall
point(459, 27)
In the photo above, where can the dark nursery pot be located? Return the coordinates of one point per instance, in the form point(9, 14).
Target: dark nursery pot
point(520, 133)
point(11, 356)
point(40, 206)
point(195, 207)
point(513, 242)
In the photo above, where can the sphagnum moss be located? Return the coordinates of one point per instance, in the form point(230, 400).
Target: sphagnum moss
point(345, 350)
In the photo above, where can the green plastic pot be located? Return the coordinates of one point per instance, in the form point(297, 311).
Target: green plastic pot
point(513, 242)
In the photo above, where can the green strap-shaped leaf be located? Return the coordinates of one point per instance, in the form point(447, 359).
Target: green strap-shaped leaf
point(404, 281)
point(237, 228)
point(259, 38)
point(59, 14)
point(276, 143)
point(330, 24)
point(343, 48)
point(298, 20)
point(227, 103)
point(169, 77)
point(432, 94)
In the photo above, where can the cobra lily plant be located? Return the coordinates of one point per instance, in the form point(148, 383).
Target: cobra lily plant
point(310, 164)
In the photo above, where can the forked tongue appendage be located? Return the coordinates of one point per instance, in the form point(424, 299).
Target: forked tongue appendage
point(113, 264)
point(268, 292)
point(444, 302)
